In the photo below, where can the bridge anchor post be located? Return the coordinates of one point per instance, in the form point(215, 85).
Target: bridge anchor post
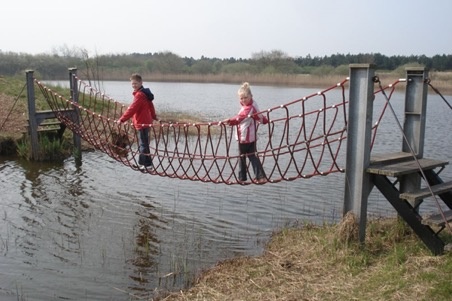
point(74, 94)
point(35, 119)
point(359, 128)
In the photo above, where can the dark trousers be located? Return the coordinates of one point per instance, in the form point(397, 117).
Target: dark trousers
point(143, 140)
point(249, 150)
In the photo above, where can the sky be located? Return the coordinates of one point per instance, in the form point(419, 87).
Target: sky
point(228, 28)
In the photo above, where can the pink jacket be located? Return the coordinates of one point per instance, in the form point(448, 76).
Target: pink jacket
point(142, 110)
point(246, 130)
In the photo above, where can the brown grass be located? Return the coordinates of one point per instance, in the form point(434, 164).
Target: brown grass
point(310, 262)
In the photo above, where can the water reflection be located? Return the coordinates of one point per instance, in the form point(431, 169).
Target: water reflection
point(146, 248)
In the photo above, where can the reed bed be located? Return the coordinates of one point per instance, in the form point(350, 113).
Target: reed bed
point(308, 262)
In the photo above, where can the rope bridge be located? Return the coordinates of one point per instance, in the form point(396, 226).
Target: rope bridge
point(304, 138)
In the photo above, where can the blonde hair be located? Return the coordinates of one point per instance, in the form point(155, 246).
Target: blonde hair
point(245, 90)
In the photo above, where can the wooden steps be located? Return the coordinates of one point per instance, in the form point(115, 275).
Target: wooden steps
point(404, 167)
point(425, 192)
point(48, 125)
point(437, 220)
point(398, 169)
point(390, 158)
point(46, 121)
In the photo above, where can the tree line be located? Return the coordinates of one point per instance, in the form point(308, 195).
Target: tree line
point(56, 64)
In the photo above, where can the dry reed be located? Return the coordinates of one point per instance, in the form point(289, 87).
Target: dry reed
point(313, 263)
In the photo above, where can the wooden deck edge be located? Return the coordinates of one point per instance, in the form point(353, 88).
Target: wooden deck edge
point(390, 158)
point(438, 220)
point(425, 192)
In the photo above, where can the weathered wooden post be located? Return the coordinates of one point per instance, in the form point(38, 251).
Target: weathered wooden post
point(74, 95)
point(359, 129)
point(32, 123)
point(414, 123)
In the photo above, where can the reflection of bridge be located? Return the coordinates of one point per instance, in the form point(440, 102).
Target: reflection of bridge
point(303, 139)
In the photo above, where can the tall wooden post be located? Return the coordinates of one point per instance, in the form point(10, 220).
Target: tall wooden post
point(414, 123)
point(359, 129)
point(32, 123)
point(74, 95)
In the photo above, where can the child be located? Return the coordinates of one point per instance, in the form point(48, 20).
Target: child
point(246, 133)
point(143, 113)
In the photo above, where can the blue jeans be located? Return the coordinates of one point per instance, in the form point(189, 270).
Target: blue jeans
point(145, 153)
point(249, 150)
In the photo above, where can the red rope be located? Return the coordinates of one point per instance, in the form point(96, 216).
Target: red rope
point(303, 138)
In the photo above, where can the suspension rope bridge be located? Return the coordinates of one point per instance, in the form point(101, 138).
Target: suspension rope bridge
point(304, 137)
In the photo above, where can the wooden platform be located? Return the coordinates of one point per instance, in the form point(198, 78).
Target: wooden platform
point(405, 167)
point(390, 158)
point(390, 169)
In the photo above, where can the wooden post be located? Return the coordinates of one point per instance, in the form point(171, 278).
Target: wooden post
point(414, 123)
point(32, 122)
point(74, 95)
point(359, 129)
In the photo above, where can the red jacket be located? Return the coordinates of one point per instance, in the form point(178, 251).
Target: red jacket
point(142, 110)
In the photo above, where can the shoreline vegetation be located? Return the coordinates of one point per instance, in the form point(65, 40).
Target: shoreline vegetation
point(440, 80)
point(325, 262)
point(302, 261)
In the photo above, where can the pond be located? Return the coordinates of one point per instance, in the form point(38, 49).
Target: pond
point(102, 231)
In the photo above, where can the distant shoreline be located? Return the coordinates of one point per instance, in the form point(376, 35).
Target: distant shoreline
point(440, 80)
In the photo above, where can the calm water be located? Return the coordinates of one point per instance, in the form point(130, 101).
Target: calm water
point(104, 232)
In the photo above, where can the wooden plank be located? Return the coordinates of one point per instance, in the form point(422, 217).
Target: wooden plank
point(49, 114)
point(425, 192)
point(404, 168)
point(438, 220)
point(390, 158)
point(42, 130)
point(50, 123)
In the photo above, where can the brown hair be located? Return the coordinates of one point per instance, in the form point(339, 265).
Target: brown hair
point(136, 77)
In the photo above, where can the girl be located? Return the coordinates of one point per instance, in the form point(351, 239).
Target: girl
point(246, 133)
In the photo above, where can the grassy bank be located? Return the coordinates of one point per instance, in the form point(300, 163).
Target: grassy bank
point(307, 262)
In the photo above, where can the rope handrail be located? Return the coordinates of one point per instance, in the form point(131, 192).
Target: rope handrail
point(428, 81)
point(304, 137)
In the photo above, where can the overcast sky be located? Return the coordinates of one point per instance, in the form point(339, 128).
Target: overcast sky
point(228, 28)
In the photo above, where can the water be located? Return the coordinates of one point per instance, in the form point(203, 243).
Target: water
point(104, 232)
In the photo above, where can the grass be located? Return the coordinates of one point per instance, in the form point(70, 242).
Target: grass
point(309, 262)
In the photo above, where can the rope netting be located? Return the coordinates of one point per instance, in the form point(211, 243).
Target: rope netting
point(304, 137)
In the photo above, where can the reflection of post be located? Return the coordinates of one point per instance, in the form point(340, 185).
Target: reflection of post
point(359, 129)
point(32, 123)
point(414, 124)
point(146, 246)
point(76, 119)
